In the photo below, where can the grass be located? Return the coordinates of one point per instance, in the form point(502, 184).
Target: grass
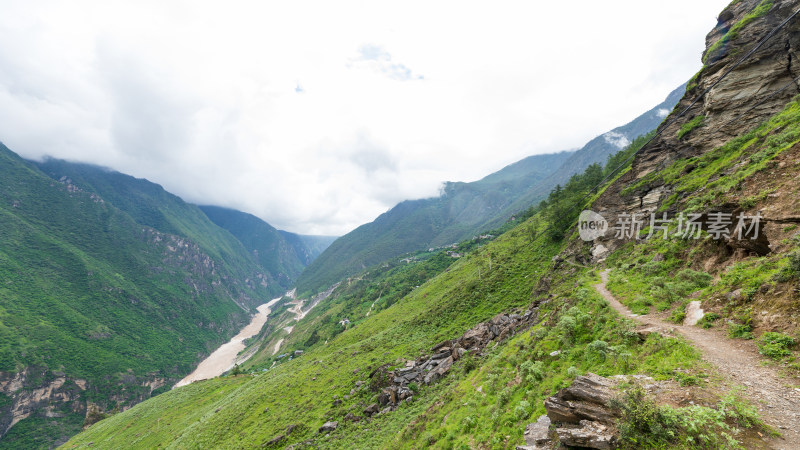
point(645, 424)
point(775, 345)
point(89, 292)
point(500, 276)
point(759, 11)
point(487, 400)
point(693, 124)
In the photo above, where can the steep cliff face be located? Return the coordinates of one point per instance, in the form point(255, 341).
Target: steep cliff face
point(755, 90)
point(730, 165)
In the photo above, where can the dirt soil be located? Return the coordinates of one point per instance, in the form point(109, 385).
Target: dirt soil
point(777, 397)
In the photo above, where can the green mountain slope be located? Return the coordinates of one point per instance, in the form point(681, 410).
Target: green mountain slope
point(466, 209)
point(332, 380)
point(149, 204)
point(283, 255)
point(731, 160)
point(98, 306)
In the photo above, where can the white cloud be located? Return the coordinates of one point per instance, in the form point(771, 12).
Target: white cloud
point(616, 139)
point(379, 60)
point(318, 116)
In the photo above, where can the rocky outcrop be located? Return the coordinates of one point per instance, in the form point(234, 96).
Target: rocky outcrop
point(587, 398)
point(429, 369)
point(537, 435)
point(37, 391)
point(395, 386)
point(742, 100)
point(328, 427)
point(581, 414)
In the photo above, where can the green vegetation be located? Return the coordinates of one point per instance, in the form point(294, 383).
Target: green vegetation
point(89, 292)
point(687, 128)
point(369, 293)
point(577, 333)
point(559, 210)
point(498, 202)
point(462, 211)
point(282, 255)
point(642, 281)
point(644, 424)
point(775, 345)
point(759, 11)
point(742, 157)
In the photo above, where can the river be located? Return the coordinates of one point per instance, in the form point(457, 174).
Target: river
point(224, 358)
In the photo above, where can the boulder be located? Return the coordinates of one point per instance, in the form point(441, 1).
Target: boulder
point(443, 353)
point(444, 366)
point(537, 433)
point(588, 435)
point(388, 396)
point(328, 427)
point(431, 377)
point(274, 440)
point(371, 409)
point(587, 398)
point(475, 336)
point(441, 345)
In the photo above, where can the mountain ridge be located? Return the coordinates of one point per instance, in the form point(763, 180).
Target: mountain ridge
point(467, 209)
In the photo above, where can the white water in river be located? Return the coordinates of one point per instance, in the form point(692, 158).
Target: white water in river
point(224, 358)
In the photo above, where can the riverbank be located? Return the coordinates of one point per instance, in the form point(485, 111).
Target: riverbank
point(224, 358)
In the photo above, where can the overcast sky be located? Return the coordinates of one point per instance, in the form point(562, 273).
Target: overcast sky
point(319, 116)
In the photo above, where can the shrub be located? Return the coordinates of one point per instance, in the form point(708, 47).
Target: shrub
point(708, 320)
point(740, 330)
point(697, 279)
point(598, 350)
point(792, 270)
point(678, 315)
point(468, 363)
point(523, 410)
point(642, 422)
point(532, 371)
point(503, 397)
point(775, 345)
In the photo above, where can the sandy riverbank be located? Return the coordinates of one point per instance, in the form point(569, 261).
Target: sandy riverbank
point(224, 358)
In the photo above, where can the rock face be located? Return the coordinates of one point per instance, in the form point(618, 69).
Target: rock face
point(394, 385)
point(537, 435)
point(429, 369)
point(582, 415)
point(745, 98)
point(589, 434)
point(587, 398)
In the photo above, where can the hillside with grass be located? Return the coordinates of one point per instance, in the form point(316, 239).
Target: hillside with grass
point(444, 349)
point(102, 306)
point(464, 210)
point(282, 254)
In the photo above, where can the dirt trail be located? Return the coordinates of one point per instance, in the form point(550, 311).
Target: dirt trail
point(777, 398)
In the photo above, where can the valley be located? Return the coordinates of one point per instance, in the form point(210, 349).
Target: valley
point(227, 355)
point(641, 291)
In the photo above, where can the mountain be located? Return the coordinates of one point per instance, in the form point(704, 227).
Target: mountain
point(598, 150)
point(543, 340)
point(280, 253)
point(112, 289)
point(464, 210)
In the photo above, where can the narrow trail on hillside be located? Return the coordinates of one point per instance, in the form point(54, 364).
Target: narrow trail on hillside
point(777, 398)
